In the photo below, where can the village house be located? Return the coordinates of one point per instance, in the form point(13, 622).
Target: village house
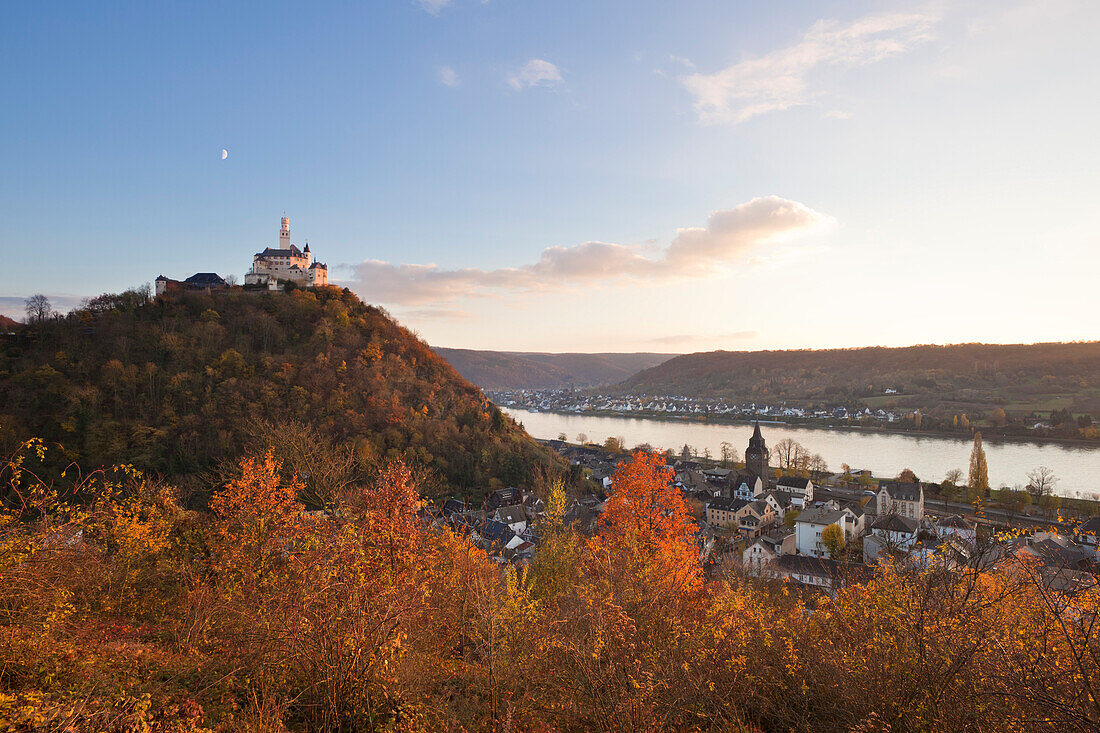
point(817, 572)
point(749, 516)
point(890, 533)
point(811, 523)
point(801, 489)
point(746, 486)
point(903, 499)
point(956, 526)
point(768, 547)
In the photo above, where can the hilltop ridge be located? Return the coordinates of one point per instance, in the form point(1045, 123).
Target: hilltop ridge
point(502, 370)
point(1019, 378)
point(179, 384)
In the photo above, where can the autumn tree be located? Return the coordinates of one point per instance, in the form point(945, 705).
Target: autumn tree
point(613, 444)
point(978, 478)
point(38, 308)
point(790, 454)
point(832, 537)
point(1040, 483)
point(907, 476)
point(647, 519)
point(256, 516)
point(997, 418)
point(817, 466)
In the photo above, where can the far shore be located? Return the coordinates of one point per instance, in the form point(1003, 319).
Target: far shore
point(818, 425)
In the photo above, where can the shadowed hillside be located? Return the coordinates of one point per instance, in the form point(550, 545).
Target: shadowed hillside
point(1019, 377)
point(178, 385)
point(518, 370)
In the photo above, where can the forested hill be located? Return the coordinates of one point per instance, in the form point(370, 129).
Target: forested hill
point(1019, 377)
point(177, 385)
point(528, 370)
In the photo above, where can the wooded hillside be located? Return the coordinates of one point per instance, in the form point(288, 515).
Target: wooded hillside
point(178, 385)
point(525, 370)
point(1015, 377)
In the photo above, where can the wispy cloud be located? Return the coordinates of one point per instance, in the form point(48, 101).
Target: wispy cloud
point(14, 306)
point(728, 238)
point(781, 79)
point(535, 73)
point(433, 6)
point(448, 76)
point(691, 339)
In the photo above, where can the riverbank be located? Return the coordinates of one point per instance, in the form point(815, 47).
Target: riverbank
point(885, 453)
point(988, 434)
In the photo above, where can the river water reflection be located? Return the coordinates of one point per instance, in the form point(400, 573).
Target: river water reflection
point(930, 457)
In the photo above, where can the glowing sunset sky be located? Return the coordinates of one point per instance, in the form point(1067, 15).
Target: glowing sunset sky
point(574, 176)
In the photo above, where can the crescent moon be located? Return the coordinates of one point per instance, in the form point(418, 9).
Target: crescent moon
point(225, 153)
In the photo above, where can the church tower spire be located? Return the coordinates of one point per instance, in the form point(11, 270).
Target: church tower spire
point(756, 457)
point(284, 234)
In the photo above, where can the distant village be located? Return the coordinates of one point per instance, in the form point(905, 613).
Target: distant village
point(575, 401)
point(819, 534)
point(566, 400)
point(272, 269)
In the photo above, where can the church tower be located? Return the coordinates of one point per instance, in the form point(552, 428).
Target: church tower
point(284, 234)
point(756, 456)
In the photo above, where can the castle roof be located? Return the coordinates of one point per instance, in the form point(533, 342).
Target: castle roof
point(292, 252)
point(203, 279)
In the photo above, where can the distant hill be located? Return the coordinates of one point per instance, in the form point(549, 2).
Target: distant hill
point(1016, 377)
point(494, 370)
point(8, 324)
point(179, 384)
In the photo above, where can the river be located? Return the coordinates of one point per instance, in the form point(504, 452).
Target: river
point(930, 457)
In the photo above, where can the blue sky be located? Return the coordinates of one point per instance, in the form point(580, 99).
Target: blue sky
point(610, 176)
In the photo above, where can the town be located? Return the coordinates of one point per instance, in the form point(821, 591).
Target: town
point(717, 410)
point(806, 525)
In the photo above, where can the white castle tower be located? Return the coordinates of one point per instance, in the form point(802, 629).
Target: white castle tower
point(286, 263)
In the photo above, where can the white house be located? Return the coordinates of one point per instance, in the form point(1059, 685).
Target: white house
point(955, 526)
point(890, 532)
point(800, 489)
point(767, 548)
point(810, 524)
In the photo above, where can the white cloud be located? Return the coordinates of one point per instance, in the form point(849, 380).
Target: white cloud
point(838, 114)
point(728, 238)
point(448, 76)
point(781, 79)
point(535, 73)
point(433, 6)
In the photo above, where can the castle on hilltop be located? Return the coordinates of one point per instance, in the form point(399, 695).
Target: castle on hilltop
point(270, 269)
point(286, 263)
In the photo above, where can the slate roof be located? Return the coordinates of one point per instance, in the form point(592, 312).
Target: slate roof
point(453, 506)
point(292, 252)
point(206, 279)
point(821, 515)
point(796, 482)
point(956, 522)
point(902, 491)
point(728, 505)
point(895, 523)
point(496, 533)
point(511, 514)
